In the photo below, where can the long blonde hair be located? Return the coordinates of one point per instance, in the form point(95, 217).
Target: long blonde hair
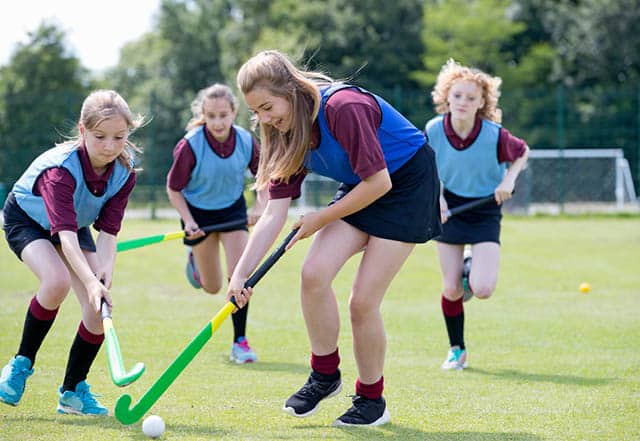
point(282, 154)
point(214, 91)
point(490, 87)
point(101, 105)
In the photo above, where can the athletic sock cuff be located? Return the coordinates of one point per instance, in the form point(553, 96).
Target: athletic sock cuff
point(39, 312)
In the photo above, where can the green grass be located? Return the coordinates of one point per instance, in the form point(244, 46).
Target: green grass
point(546, 362)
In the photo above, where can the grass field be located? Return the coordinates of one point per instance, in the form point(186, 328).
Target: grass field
point(546, 361)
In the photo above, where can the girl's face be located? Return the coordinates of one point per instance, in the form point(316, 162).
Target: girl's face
point(106, 141)
point(218, 116)
point(465, 98)
point(270, 109)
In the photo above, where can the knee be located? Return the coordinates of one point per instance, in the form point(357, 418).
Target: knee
point(483, 290)
point(452, 292)
point(55, 287)
point(211, 287)
point(312, 277)
point(360, 309)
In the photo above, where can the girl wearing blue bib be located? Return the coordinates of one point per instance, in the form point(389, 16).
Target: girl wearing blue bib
point(206, 186)
point(472, 153)
point(67, 189)
point(387, 202)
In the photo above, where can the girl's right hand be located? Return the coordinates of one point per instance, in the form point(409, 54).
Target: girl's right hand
point(192, 230)
point(96, 291)
point(237, 290)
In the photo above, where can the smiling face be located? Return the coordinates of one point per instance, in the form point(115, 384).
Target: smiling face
point(106, 141)
point(465, 98)
point(218, 116)
point(270, 109)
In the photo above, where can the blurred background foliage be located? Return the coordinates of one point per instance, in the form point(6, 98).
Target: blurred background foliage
point(570, 68)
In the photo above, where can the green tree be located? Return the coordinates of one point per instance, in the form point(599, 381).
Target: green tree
point(41, 92)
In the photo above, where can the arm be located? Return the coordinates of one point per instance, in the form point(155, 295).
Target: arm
point(106, 254)
point(505, 189)
point(262, 237)
point(80, 266)
point(177, 200)
point(363, 194)
point(258, 208)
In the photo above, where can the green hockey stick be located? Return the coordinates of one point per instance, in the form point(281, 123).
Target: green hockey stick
point(127, 415)
point(119, 375)
point(126, 245)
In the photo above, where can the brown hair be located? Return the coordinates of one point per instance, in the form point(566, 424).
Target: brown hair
point(282, 154)
point(101, 105)
point(490, 87)
point(214, 91)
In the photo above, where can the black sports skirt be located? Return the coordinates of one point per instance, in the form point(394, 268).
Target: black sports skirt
point(20, 230)
point(480, 224)
point(410, 211)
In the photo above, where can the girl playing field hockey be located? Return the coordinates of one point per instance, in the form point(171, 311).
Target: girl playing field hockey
point(387, 202)
point(472, 153)
point(206, 184)
point(47, 216)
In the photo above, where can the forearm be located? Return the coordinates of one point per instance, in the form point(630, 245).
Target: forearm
point(516, 167)
point(76, 260)
point(178, 202)
point(262, 237)
point(362, 195)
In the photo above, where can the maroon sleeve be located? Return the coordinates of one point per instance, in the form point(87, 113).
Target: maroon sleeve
point(255, 157)
point(510, 147)
point(110, 217)
point(292, 189)
point(353, 118)
point(183, 163)
point(56, 187)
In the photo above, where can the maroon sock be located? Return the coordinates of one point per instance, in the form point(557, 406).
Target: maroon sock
point(370, 391)
point(325, 364)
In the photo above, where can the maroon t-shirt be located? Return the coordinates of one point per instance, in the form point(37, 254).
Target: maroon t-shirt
point(353, 118)
point(510, 147)
point(184, 161)
point(57, 185)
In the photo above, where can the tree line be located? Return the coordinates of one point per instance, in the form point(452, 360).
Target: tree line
point(570, 68)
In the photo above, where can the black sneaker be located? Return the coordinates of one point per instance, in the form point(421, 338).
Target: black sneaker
point(318, 387)
point(466, 270)
point(365, 412)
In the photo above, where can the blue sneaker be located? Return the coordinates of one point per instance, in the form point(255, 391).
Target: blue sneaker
point(80, 402)
point(456, 359)
point(242, 353)
point(466, 270)
point(192, 272)
point(14, 378)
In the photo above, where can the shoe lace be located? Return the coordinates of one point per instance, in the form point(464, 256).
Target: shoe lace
point(360, 405)
point(311, 389)
point(87, 397)
point(244, 345)
point(18, 376)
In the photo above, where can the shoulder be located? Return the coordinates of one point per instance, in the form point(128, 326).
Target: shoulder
point(433, 122)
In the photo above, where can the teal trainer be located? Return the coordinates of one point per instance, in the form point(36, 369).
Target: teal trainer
point(456, 359)
point(80, 402)
point(14, 378)
point(192, 272)
point(466, 270)
point(241, 352)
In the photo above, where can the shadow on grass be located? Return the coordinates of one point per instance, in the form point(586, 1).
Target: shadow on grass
point(392, 431)
point(135, 430)
point(510, 374)
point(268, 366)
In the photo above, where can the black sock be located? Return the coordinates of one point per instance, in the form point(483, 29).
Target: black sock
point(239, 319)
point(35, 330)
point(83, 352)
point(455, 329)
